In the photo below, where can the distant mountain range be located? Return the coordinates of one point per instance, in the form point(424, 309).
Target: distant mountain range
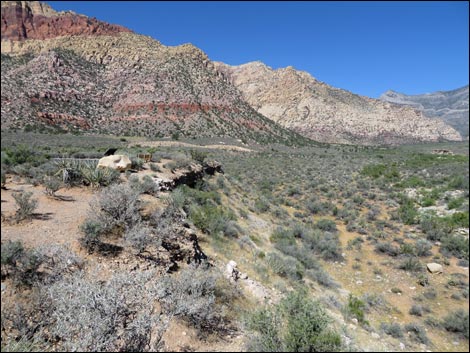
point(61, 70)
point(449, 106)
point(298, 101)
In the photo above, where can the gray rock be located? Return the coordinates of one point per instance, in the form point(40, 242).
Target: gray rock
point(434, 268)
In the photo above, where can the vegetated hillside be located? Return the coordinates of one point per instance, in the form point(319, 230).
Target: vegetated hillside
point(336, 237)
point(449, 106)
point(298, 101)
point(73, 73)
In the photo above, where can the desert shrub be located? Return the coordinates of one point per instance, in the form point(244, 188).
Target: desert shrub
point(455, 203)
point(393, 329)
point(416, 310)
point(457, 321)
point(405, 248)
point(321, 277)
point(387, 248)
point(211, 219)
point(423, 280)
point(262, 204)
point(326, 225)
point(23, 344)
point(95, 315)
point(355, 308)
point(374, 301)
point(407, 213)
point(435, 228)
point(456, 245)
point(418, 333)
point(422, 247)
point(191, 295)
point(20, 155)
point(154, 167)
point(315, 207)
point(198, 156)
point(296, 324)
point(285, 266)
point(144, 186)
point(458, 182)
point(52, 185)
point(26, 205)
point(411, 264)
point(20, 264)
point(327, 245)
point(431, 293)
point(92, 230)
point(136, 163)
point(139, 237)
point(116, 206)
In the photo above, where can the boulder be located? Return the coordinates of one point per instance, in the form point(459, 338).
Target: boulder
point(231, 271)
point(118, 162)
point(434, 268)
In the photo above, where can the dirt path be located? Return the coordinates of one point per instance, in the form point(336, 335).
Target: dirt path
point(184, 144)
point(55, 221)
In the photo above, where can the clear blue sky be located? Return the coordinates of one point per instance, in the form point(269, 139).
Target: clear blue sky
point(364, 47)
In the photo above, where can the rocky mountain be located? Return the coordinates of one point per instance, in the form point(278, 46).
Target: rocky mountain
point(298, 101)
point(64, 71)
point(73, 73)
point(449, 106)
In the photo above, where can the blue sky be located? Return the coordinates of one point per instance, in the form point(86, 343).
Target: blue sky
point(364, 47)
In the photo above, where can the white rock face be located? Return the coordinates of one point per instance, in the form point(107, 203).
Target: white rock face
point(118, 162)
point(298, 101)
point(434, 268)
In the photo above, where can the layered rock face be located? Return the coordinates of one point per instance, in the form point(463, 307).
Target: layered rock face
point(34, 20)
point(115, 81)
point(316, 110)
point(449, 106)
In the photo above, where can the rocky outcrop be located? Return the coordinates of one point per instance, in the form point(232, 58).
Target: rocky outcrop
point(23, 20)
point(449, 106)
point(298, 101)
point(117, 162)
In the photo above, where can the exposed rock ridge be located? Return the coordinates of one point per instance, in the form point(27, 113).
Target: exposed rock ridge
point(298, 101)
point(449, 106)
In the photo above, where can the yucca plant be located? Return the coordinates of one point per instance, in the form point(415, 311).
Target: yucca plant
point(96, 177)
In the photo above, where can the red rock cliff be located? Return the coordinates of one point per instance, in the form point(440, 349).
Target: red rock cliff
point(34, 20)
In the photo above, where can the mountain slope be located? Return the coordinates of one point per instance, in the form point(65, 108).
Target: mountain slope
point(314, 109)
point(98, 77)
point(449, 106)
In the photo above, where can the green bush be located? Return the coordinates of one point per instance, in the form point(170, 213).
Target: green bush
point(326, 225)
point(296, 324)
point(355, 308)
point(198, 156)
point(407, 212)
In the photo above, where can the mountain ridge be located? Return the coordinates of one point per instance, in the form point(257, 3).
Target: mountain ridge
point(450, 106)
point(300, 102)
